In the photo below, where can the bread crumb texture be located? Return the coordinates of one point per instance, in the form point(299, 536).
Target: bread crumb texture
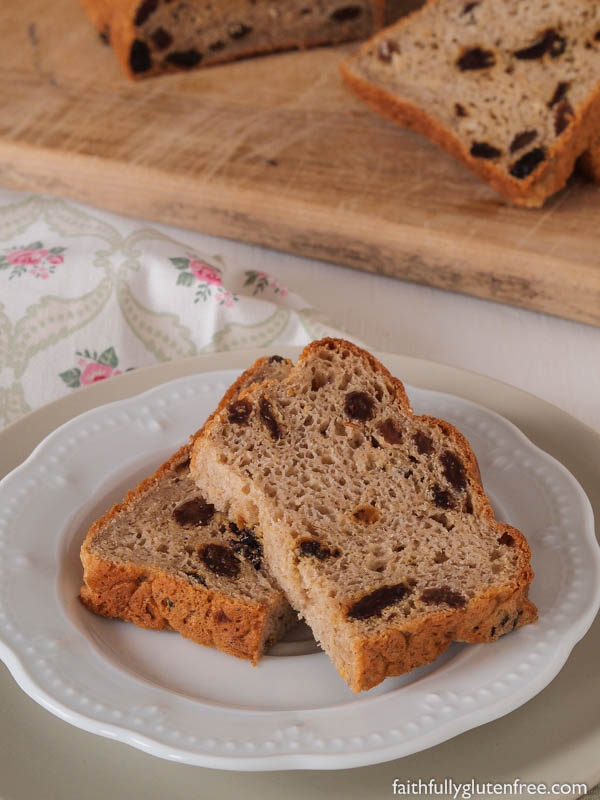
point(164, 558)
point(510, 88)
point(373, 520)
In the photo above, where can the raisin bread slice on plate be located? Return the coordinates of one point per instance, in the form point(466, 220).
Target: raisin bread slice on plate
point(164, 558)
point(374, 521)
point(150, 37)
point(512, 89)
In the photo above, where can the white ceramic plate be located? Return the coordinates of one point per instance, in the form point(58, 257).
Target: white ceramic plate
point(171, 698)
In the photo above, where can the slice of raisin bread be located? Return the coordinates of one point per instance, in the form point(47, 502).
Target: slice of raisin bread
point(374, 521)
point(150, 37)
point(510, 88)
point(164, 558)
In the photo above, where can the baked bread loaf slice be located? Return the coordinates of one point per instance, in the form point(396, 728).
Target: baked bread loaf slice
point(373, 520)
point(150, 37)
point(511, 89)
point(164, 558)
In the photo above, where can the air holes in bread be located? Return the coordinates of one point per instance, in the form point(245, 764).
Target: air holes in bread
point(443, 520)
point(319, 380)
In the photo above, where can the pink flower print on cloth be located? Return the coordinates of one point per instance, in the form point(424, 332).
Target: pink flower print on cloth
point(204, 272)
point(92, 368)
point(29, 256)
point(34, 259)
point(262, 280)
point(93, 372)
point(205, 278)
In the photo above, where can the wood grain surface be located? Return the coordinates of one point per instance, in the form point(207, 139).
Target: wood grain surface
point(275, 151)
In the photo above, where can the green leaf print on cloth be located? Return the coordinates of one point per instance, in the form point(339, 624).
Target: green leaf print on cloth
point(207, 278)
point(92, 367)
point(32, 259)
point(72, 277)
point(261, 281)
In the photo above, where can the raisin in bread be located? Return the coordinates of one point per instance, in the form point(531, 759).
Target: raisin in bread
point(510, 88)
point(374, 521)
point(154, 36)
point(164, 558)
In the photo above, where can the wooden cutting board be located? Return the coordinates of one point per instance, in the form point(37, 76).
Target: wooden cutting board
point(276, 151)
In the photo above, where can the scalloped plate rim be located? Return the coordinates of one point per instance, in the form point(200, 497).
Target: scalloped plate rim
point(299, 760)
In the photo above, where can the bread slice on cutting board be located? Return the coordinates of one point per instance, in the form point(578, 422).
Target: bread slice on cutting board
point(511, 89)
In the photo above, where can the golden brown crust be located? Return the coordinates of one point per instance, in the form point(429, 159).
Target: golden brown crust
point(99, 13)
point(330, 343)
point(247, 377)
point(152, 599)
point(484, 619)
point(449, 430)
point(532, 191)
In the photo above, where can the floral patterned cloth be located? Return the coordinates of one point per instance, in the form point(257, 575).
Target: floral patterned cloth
point(85, 295)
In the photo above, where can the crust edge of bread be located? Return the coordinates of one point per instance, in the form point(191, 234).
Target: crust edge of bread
point(531, 192)
point(372, 664)
point(139, 594)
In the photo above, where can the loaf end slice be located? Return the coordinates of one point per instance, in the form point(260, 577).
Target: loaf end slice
point(165, 559)
point(511, 89)
point(373, 520)
point(153, 37)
